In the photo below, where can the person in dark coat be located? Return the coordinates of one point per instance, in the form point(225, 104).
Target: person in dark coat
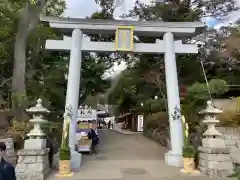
point(109, 124)
point(7, 170)
point(94, 137)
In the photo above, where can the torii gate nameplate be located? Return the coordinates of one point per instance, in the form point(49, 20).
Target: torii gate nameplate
point(124, 38)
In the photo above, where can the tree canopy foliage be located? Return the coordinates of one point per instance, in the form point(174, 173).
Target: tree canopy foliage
point(46, 71)
point(24, 58)
point(147, 72)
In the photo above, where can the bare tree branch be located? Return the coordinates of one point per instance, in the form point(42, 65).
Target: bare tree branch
point(5, 81)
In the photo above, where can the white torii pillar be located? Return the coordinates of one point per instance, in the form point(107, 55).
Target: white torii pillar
point(73, 86)
point(174, 156)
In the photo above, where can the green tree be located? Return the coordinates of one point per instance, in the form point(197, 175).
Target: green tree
point(92, 81)
point(45, 70)
point(26, 14)
point(150, 68)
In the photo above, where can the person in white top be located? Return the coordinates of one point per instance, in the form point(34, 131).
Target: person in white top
point(112, 121)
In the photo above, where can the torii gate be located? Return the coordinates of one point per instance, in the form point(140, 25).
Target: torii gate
point(124, 43)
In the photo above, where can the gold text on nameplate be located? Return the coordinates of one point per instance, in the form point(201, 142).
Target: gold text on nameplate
point(124, 38)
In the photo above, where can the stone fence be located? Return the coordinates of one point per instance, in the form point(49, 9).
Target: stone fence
point(232, 141)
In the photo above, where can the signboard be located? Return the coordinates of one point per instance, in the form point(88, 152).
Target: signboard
point(140, 123)
point(86, 113)
point(85, 116)
point(124, 38)
point(81, 135)
point(83, 125)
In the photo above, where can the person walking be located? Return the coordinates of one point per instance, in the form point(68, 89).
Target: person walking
point(109, 124)
point(94, 138)
point(7, 170)
point(112, 121)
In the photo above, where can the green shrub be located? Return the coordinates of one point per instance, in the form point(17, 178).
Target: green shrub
point(151, 125)
point(236, 173)
point(64, 154)
point(218, 86)
point(199, 91)
point(53, 129)
point(188, 151)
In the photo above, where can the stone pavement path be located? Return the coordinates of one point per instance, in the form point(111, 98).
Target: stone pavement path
point(128, 157)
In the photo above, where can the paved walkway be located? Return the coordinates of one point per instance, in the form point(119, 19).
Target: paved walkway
point(128, 157)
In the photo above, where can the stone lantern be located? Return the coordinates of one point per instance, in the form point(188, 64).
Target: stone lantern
point(37, 138)
point(214, 157)
point(212, 137)
point(33, 160)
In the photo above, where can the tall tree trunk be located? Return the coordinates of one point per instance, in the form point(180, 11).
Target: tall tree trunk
point(19, 66)
point(28, 21)
point(19, 69)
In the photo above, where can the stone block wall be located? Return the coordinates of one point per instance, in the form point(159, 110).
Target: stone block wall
point(232, 141)
point(32, 164)
point(215, 162)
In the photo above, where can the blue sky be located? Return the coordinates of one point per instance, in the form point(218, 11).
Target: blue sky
point(212, 22)
point(80, 8)
point(83, 8)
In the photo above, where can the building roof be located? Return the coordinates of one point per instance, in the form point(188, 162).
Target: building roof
point(142, 28)
point(123, 116)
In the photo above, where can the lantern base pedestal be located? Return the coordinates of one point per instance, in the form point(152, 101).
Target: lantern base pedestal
point(215, 162)
point(213, 143)
point(32, 164)
point(35, 144)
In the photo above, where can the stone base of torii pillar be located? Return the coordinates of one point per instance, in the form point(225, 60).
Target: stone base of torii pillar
point(173, 159)
point(75, 163)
